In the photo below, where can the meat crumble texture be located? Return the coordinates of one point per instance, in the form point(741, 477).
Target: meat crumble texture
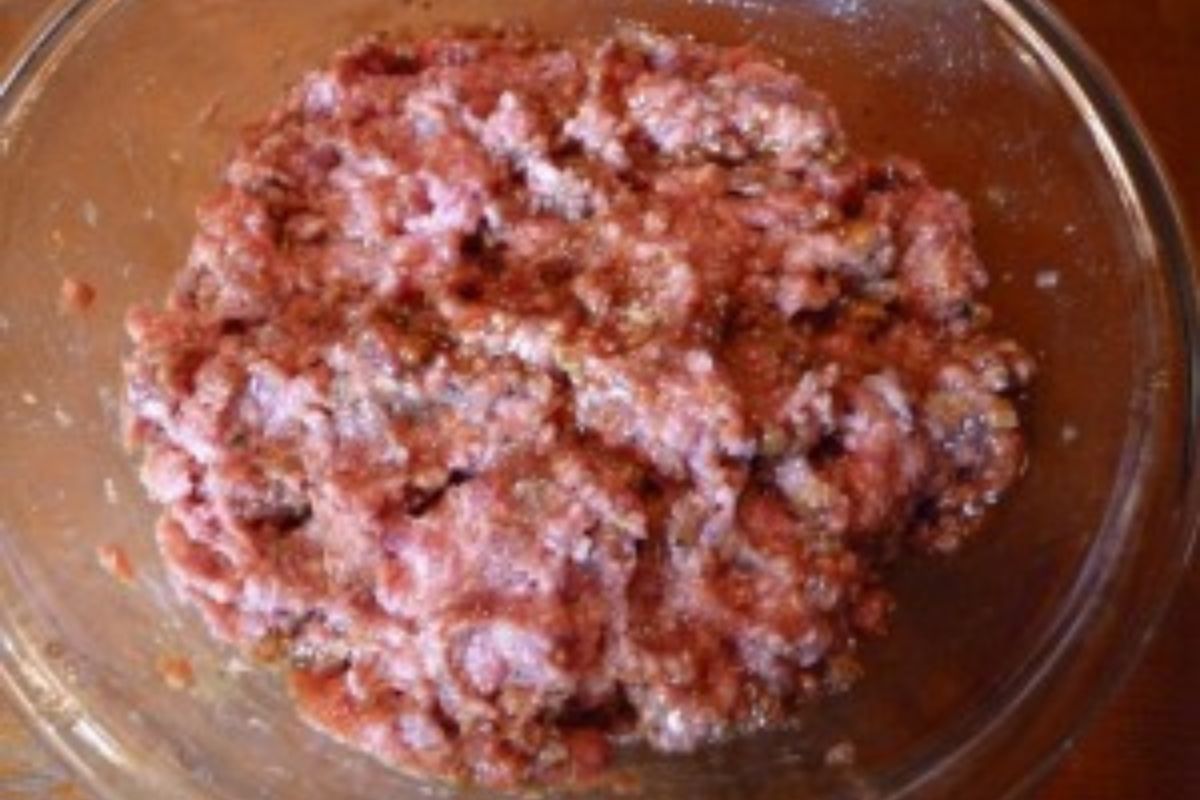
point(528, 398)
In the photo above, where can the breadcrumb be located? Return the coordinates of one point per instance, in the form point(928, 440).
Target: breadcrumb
point(115, 561)
point(176, 672)
point(76, 295)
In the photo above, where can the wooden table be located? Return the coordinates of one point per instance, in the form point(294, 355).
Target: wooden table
point(1147, 743)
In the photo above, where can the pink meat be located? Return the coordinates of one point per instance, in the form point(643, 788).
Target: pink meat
point(530, 396)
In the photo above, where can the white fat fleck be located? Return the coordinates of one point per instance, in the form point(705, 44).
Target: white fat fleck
point(675, 724)
point(1069, 434)
point(63, 419)
point(654, 223)
point(582, 550)
point(699, 362)
point(321, 95)
point(29, 398)
point(848, 9)
point(889, 390)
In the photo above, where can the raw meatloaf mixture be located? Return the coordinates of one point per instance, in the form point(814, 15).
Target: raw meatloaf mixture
point(528, 397)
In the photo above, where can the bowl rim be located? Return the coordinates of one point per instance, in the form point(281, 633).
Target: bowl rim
point(1059, 661)
point(1131, 157)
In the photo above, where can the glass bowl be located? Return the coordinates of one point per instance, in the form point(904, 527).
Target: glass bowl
point(113, 120)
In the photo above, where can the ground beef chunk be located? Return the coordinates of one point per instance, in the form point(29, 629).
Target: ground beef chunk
point(528, 396)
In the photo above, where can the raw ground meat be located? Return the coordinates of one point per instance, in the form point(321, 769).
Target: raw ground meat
point(530, 397)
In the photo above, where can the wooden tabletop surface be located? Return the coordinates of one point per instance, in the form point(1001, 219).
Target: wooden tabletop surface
point(1146, 744)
